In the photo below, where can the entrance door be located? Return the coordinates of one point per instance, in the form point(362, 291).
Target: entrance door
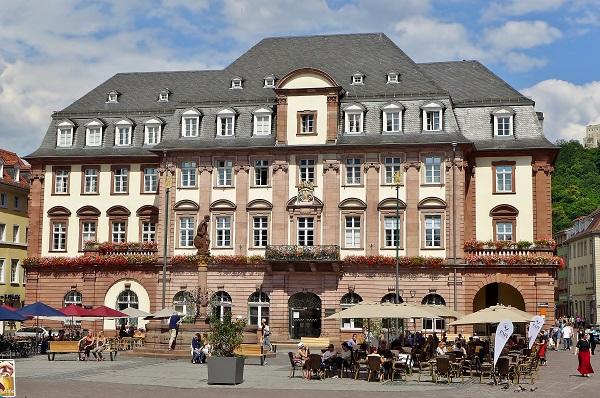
point(304, 315)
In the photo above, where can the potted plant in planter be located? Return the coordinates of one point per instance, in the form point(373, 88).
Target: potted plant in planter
point(225, 337)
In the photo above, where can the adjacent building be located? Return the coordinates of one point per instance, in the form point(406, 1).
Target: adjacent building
point(317, 160)
point(14, 225)
point(580, 246)
point(592, 136)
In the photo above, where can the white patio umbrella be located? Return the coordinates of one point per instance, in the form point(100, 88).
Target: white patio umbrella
point(494, 314)
point(135, 313)
point(441, 311)
point(383, 310)
point(165, 313)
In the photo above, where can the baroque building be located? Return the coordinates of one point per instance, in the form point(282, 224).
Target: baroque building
point(317, 160)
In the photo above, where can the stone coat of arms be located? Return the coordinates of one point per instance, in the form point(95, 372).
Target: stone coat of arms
point(306, 191)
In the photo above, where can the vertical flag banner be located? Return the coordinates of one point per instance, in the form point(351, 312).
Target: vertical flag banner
point(503, 332)
point(534, 329)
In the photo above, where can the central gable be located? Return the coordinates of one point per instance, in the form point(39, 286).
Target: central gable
point(306, 78)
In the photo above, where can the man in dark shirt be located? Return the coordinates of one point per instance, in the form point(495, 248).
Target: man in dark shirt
point(174, 322)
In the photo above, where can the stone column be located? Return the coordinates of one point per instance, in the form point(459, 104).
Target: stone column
point(281, 132)
point(413, 238)
point(372, 182)
point(203, 295)
point(331, 201)
point(35, 209)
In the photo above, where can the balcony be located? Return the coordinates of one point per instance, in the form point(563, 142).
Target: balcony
point(296, 253)
point(125, 248)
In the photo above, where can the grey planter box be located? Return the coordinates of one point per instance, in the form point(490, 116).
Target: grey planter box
point(225, 370)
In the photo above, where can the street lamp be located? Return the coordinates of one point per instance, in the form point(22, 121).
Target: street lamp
point(397, 183)
point(168, 184)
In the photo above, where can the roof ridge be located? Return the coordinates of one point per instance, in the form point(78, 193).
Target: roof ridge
point(326, 35)
point(447, 62)
point(169, 71)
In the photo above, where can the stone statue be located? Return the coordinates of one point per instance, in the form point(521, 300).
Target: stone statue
point(202, 240)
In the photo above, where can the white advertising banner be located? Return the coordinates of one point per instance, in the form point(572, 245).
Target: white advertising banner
point(534, 329)
point(503, 332)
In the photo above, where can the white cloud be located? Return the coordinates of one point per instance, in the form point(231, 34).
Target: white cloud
point(567, 107)
point(516, 8)
point(521, 35)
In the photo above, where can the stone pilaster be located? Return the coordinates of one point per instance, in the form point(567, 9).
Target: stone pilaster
point(372, 182)
point(279, 224)
point(241, 200)
point(331, 201)
point(413, 181)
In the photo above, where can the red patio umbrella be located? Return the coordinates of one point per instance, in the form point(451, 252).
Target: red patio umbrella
point(73, 310)
point(106, 312)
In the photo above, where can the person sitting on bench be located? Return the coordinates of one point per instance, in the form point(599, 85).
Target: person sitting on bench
point(99, 346)
point(86, 345)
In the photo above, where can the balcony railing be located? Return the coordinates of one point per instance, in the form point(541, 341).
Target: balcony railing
point(506, 252)
point(302, 253)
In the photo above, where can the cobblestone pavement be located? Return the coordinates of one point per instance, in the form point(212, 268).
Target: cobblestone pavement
point(146, 377)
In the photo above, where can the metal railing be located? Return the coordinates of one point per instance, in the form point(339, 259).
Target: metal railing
point(302, 253)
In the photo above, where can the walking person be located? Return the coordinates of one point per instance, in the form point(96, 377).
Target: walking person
point(266, 339)
point(582, 350)
point(567, 334)
point(593, 338)
point(174, 322)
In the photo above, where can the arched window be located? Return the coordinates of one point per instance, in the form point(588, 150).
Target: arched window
point(183, 302)
point(127, 298)
point(433, 299)
point(390, 298)
point(347, 301)
point(221, 305)
point(390, 323)
point(258, 308)
point(73, 298)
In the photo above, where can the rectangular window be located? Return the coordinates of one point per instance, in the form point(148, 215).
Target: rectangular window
point(432, 120)
point(504, 178)
point(14, 271)
point(59, 236)
point(504, 231)
point(353, 171)
point(433, 170)
point(90, 183)
point(260, 231)
point(307, 123)
point(121, 177)
point(3, 232)
point(226, 126)
point(428, 324)
point(307, 170)
point(352, 232)
point(306, 231)
point(392, 166)
point(503, 126)
point(392, 122)
point(262, 124)
point(148, 231)
point(123, 136)
point(17, 203)
point(2, 262)
point(93, 136)
point(354, 122)
point(188, 174)
point(224, 173)
point(3, 200)
point(433, 231)
point(152, 136)
point(118, 232)
point(223, 231)
point(61, 182)
point(190, 126)
point(261, 173)
point(16, 230)
point(150, 179)
point(65, 137)
point(88, 232)
point(392, 232)
point(186, 232)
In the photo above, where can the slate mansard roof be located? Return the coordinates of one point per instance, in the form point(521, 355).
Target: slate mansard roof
point(467, 89)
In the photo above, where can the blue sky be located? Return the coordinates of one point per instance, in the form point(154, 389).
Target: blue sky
point(54, 51)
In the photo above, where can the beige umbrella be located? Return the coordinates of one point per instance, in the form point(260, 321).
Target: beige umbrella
point(494, 314)
point(441, 311)
point(383, 310)
point(134, 312)
point(165, 313)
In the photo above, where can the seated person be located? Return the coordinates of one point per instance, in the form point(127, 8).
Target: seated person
point(198, 356)
point(344, 358)
point(301, 357)
point(441, 349)
point(99, 346)
point(86, 345)
point(459, 350)
point(329, 357)
point(138, 333)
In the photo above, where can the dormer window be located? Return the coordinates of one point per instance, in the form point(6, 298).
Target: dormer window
point(190, 123)
point(113, 97)
point(392, 77)
point(358, 78)
point(64, 134)
point(392, 117)
point(93, 133)
point(236, 83)
point(226, 123)
point(152, 131)
point(123, 133)
point(262, 121)
point(269, 81)
point(163, 96)
point(353, 117)
point(433, 116)
point(503, 119)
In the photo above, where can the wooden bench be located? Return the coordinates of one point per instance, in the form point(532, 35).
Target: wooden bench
point(254, 350)
point(72, 347)
point(315, 342)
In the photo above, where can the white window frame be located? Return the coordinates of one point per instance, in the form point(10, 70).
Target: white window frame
point(260, 231)
point(2, 270)
point(353, 171)
point(150, 180)
point(501, 114)
point(262, 308)
point(2, 232)
point(269, 82)
point(88, 234)
point(154, 124)
point(433, 108)
point(163, 96)
point(186, 231)
point(391, 227)
point(223, 231)
point(225, 173)
point(227, 116)
point(308, 170)
point(118, 231)
point(90, 180)
point(392, 78)
point(121, 181)
point(59, 230)
point(16, 233)
point(61, 181)
point(261, 165)
point(236, 84)
point(431, 167)
point(191, 115)
point(93, 128)
point(391, 165)
point(308, 126)
point(64, 135)
point(502, 172)
point(123, 124)
point(306, 231)
point(189, 174)
point(148, 231)
point(387, 111)
point(358, 78)
point(112, 97)
point(504, 229)
point(3, 198)
point(73, 298)
point(14, 272)
point(349, 323)
point(352, 232)
point(262, 128)
point(429, 228)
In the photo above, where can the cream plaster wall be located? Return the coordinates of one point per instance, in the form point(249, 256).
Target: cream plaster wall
point(522, 200)
point(316, 103)
point(261, 193)
point(432, 191)
point(110, 300)
point(133, 201)
point(307, 81)
point(187, 194)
